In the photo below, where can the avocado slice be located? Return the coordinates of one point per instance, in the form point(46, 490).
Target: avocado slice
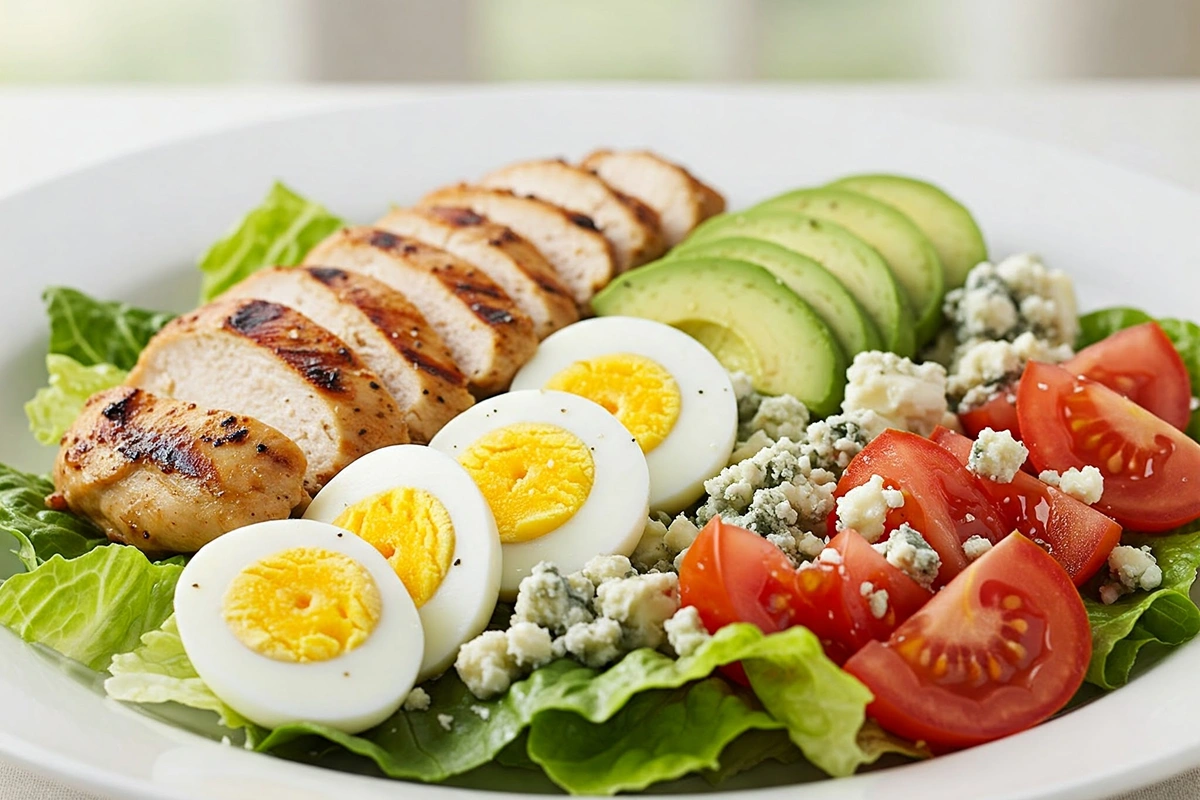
point(947, 223)
point(911, 256)
point(851, 260)
point(836, 307)
point(745, 316)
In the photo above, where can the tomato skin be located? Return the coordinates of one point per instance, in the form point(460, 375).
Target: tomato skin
point(1151, 469)
point(1077, 535)
point(941, 498)
point(999, 414)
point(732, 575)
point(1001, 648)
point(829, 600)
point(1140, 363)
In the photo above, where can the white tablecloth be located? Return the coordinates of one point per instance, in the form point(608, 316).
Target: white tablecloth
point(1152, 126)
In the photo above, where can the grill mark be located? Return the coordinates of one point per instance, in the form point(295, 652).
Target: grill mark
point(433, 366)
point(119, 411)
point(383, 239)
point(327, 275)
point(458, 217)
point(172, 451)
point(582, 221)
point(492, 315)
point(314, 365)
point(462, 287)
point(253, 315)
point(231, 438)
point(548, 286)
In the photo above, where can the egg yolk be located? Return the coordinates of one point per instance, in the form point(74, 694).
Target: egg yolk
point(413, 531)
point(303, 604)
point(636, 390)
point(533, 475)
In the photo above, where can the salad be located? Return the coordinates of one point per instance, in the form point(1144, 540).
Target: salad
point(571, 473)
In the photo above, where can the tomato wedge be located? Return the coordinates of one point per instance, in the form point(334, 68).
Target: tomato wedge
point(1151, 469)
point(833, 597)
point(732, 575)
point(1142, 364)
point(1077, 535)
point(999, 414)
point(1001, 648)
point(941, 499)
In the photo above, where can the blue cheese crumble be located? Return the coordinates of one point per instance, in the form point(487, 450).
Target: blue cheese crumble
point(877, 599)
point(907, 550)
point(982, 369)
point(997, 456)
point(864, 508)
point(686, 632)
point(975, 547)
point(1130, 569)
point(594, 616)
point(1085, 485)
point(1018, 295)
point(905, 395)
point(418, 700)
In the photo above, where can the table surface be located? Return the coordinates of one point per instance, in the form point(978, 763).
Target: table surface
point(45, 132)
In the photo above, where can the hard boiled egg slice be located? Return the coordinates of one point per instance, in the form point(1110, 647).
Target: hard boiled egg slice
point(666, 388)
point(294, 620)
point(565, 480)
point(425, 515)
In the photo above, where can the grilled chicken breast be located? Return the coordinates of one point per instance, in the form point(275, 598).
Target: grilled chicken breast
point(385, 330)
point(271, 362)
point(681, 201)
point(512, 262)
point(168, 476)
point(632, 227)
point(489, 337)
point(582, 258)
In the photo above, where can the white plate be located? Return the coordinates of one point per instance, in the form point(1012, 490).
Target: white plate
point(132, 228)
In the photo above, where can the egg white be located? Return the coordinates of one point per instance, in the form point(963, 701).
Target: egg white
point(462, 605)
point(613, 516)
point(700, 443)
point(351, 692)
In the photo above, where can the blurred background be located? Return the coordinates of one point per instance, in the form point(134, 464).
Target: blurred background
point(300, 41)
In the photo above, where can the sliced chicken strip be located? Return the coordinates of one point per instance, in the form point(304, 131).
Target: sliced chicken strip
point(168, 477)
point(630, 225)
point(385, 330)
point(681, 200)
point(275, 364)
point(510, 260)
point(580, 255)
point(489, 337)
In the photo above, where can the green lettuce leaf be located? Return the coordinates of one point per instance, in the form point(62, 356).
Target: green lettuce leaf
point(55, 407)
point(1144, 624)
point(1183, 334)
point(96, 332)
point(823, 708)
point(92, 607)
point(658, 735)
point(159, 671)
point(279, 232)
point(40, 532)
point(751, 749)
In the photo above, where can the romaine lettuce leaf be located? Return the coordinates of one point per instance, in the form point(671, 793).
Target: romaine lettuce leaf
point(823, 707)
point(1145, 623)
point(279, 232)
point(95, 332)
point(92, 607)
point(40, 532)
point(159, 671)
point(55, 407)
point(656, 736)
